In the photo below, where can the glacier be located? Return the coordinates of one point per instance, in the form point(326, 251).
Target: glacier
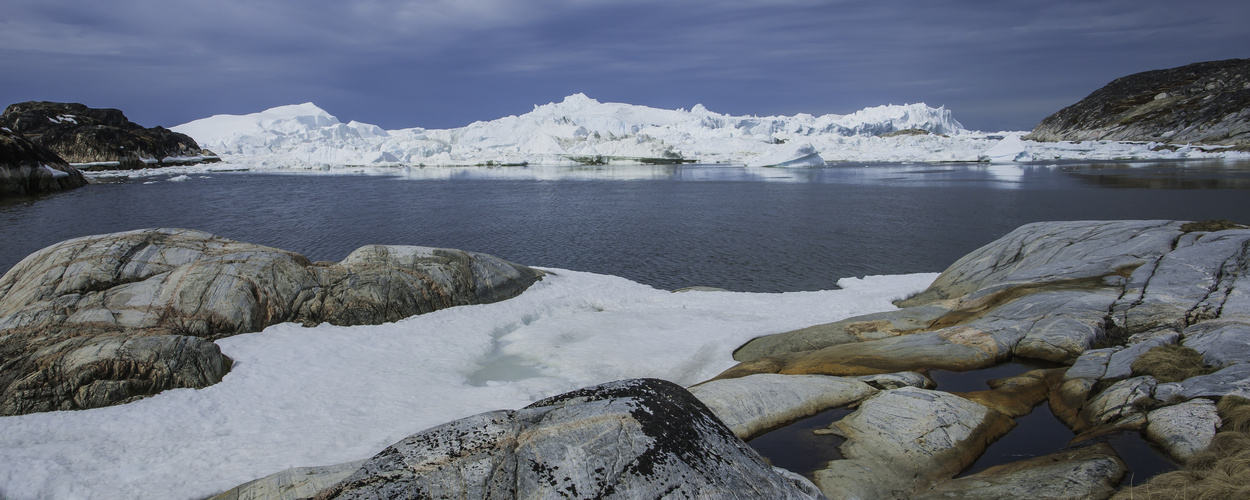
point(580, 130)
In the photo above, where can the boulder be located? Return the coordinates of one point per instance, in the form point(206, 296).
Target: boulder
point(1184, 429)
point(28, 169)
point(72, 314)
point(904, 441)
point(630, 439)
point(80, 134)
point(1207, 102)
point(1090, 472)
point(751, 406)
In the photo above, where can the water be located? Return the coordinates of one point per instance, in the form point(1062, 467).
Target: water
point(739, 228)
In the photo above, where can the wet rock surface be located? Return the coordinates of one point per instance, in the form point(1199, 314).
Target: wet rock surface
point(28, 169)
point(1207, 102)
point(80, 134)
point(104, 319)
point(1089, 472)
point(903, 441)
point(641, 438)
point(1118, 302)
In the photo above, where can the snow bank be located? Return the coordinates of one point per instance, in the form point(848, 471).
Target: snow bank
point(314, 396)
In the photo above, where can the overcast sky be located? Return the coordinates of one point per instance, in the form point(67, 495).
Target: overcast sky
point(1001, 65)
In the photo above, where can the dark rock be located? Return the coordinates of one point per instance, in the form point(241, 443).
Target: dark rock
point(77, 318)
point(28, 169)
point(1207, 102)
point(86, 135)
point(642, 438)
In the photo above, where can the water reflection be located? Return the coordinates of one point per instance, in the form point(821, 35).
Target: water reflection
point(1164, 174)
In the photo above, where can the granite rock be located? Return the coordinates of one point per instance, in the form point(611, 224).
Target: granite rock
point(630, 439)
point(102, 292)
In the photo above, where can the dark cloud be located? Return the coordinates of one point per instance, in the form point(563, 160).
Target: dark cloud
point(997, 65)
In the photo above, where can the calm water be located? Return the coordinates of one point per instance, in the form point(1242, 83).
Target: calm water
point(744, 229)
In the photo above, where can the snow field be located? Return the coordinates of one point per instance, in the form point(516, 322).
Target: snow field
point(322, 395)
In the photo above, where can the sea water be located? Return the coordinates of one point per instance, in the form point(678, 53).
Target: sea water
point(738, 228)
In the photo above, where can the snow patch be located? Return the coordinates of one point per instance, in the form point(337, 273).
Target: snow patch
point(315, 396)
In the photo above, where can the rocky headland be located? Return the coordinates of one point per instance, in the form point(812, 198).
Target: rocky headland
point(104, 320)
point(1206, 102)
point(100, 138)
point(28, 169)
point(1147, 325)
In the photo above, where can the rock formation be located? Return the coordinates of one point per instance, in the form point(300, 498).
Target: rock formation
point(27, 169)
point(102, 320)
point(1120, 302)
point(1207, 102)
point(631, 439)
point(88, 135)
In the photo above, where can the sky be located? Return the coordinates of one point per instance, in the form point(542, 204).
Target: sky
point(1000, 65)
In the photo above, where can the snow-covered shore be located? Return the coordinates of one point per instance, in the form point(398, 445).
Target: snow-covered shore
point(315, 396)
point(581, 129)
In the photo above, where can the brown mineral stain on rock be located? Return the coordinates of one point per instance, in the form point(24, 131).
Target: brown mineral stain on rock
point(1016, 396)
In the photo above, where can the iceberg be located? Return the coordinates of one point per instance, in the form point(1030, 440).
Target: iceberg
point(788, 155)
point(1010, 149)
point(559, 133)
point(580, 129)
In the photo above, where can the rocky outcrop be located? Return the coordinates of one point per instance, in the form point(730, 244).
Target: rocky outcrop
point(1206, 102)
point(102, 320)
point(1119, 302)
point(27, 169)
point(631, 439)
point(88, 135)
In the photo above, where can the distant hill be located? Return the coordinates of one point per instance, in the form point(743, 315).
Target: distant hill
point(1207, 102)
point(80, 134)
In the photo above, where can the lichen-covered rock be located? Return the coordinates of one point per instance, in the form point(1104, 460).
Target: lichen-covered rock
point(80, 134)
point(1089, 472)
point(631, 439)
point(28, 169)
point(1184, 429)
point(753, 405)
point(1207, 102)
point(902, 442)
point(161, 283)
